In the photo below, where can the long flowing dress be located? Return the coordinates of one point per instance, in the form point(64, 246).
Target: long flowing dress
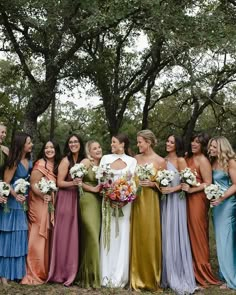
point(177, 266)
point(40, 223)
point(197, 212)
point(224, 219)
point(115, 262)
point(14, 233)
point(145, 264)
point(65, 243)
point(90, 225)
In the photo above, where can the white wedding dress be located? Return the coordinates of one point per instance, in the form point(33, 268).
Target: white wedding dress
point(114, 263)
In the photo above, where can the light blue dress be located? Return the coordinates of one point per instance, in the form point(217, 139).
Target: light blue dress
point(177, 265)
point(14, 233)
point(224, 219)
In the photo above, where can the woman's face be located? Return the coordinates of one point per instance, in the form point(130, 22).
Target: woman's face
point(74, 145)
point(170, 144)
point(3, 133)
point(142, 144)
point(95, 150)
point(49, 150)
point(116, 146)
point(213, 149)
point(28, 145)
point(196, 146)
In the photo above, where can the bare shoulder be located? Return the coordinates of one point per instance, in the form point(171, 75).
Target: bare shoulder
point(161, 162)
point(232, 164)
point(203, 160)
point(138, 157)
point(86, 162)
point(64, 162)
point(181, 161)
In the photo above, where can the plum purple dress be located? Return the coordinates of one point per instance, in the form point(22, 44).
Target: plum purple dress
point(177, 266)
point(65, 245)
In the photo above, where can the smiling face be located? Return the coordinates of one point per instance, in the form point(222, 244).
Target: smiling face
point(142, 144)
point(28, 145)
point(3, 133)
point(196, 146)
point(49, 150)
point(74, 144)
point(213, 149)
point(116, 146)
point(170, 144)
point(95, 151)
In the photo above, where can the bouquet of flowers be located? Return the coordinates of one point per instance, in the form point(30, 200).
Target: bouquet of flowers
point(115, 194)
point(143, 172)
point(78, 171)
point(213, 192)
point(47, 186)
point(189, 177)
point(4, 191)
point(164, 178)
point(103, 173)
point(21, 187)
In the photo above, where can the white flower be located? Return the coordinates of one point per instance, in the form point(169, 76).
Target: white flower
point(4, 189)
point(21, 186)
point(46, 186)
point(213, 191)
point(78, 170)
point(164, 177)
point(189, 177)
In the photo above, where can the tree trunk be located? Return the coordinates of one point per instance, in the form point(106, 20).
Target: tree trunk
point(53, 112)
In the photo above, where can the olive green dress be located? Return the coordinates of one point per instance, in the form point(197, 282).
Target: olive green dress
point(90, 225)
point(3, 158)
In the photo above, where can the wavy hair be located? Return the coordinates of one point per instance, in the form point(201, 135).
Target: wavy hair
point(68, 153)
point(225, 151)
point(148, 136)
point(203, 139)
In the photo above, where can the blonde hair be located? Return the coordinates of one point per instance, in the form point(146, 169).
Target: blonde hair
point(87, 149)
point(3, 124)
point(225, 151)
point(148, 136)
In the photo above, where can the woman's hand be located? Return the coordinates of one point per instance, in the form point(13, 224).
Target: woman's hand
point(147, 183)
point(118, 204)
point(185, 187)
point(77, 181)
point(217, 202)
point(166, 190)
point(97, 188)
point(3, 200)
point(20, 198)
point(47, 198)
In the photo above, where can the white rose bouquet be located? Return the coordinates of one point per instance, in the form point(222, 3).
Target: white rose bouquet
point(143, 172)
point(103, 173)
point(213, 192)
point(4, 191)
point(78, 171)
point(189, 177)
point(164, 178)
point(47, 187)
point(21, 187)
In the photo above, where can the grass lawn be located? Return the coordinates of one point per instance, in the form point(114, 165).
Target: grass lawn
point(53, 289)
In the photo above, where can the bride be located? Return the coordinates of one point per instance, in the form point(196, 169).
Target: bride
point(115, 261)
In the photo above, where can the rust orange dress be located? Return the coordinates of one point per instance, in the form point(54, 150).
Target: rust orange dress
point(40, 222)
point(197, 213)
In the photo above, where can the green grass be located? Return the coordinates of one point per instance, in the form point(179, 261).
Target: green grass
point(56, 289)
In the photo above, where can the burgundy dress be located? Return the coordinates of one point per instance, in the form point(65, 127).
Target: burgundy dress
point(65, 244)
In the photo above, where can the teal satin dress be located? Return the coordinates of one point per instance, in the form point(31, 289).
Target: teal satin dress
point(224, 219)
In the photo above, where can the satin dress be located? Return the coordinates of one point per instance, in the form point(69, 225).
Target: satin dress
point(224, 219)
point(40, 225)
point(198, 226)
point(90, 226)
point(177, 266)
point(145, 264)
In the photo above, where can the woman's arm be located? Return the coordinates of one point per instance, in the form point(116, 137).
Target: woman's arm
point(87, 187)
point(62, 173)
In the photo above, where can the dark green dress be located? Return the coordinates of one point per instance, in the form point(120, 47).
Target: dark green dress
point(90, 225)
point(3, 158)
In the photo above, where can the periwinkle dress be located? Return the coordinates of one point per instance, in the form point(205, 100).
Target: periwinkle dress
point(14, 233)
point(177, 267)
point(224, 219)
point(90, 225)
point(65, 245)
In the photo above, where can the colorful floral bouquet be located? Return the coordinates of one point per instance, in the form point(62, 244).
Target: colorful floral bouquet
point(143, 172)
point(4, 191)
point(78, 171)
point(21, 187)
point(189, 177)
point(164, 178)
point(47, 187)
point(213, 192)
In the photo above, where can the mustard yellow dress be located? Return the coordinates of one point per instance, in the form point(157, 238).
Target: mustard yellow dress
point(145, 262)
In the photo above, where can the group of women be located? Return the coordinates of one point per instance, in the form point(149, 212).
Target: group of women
point(162, 242)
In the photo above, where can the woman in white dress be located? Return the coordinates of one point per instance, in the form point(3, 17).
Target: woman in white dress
point(115, 260)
